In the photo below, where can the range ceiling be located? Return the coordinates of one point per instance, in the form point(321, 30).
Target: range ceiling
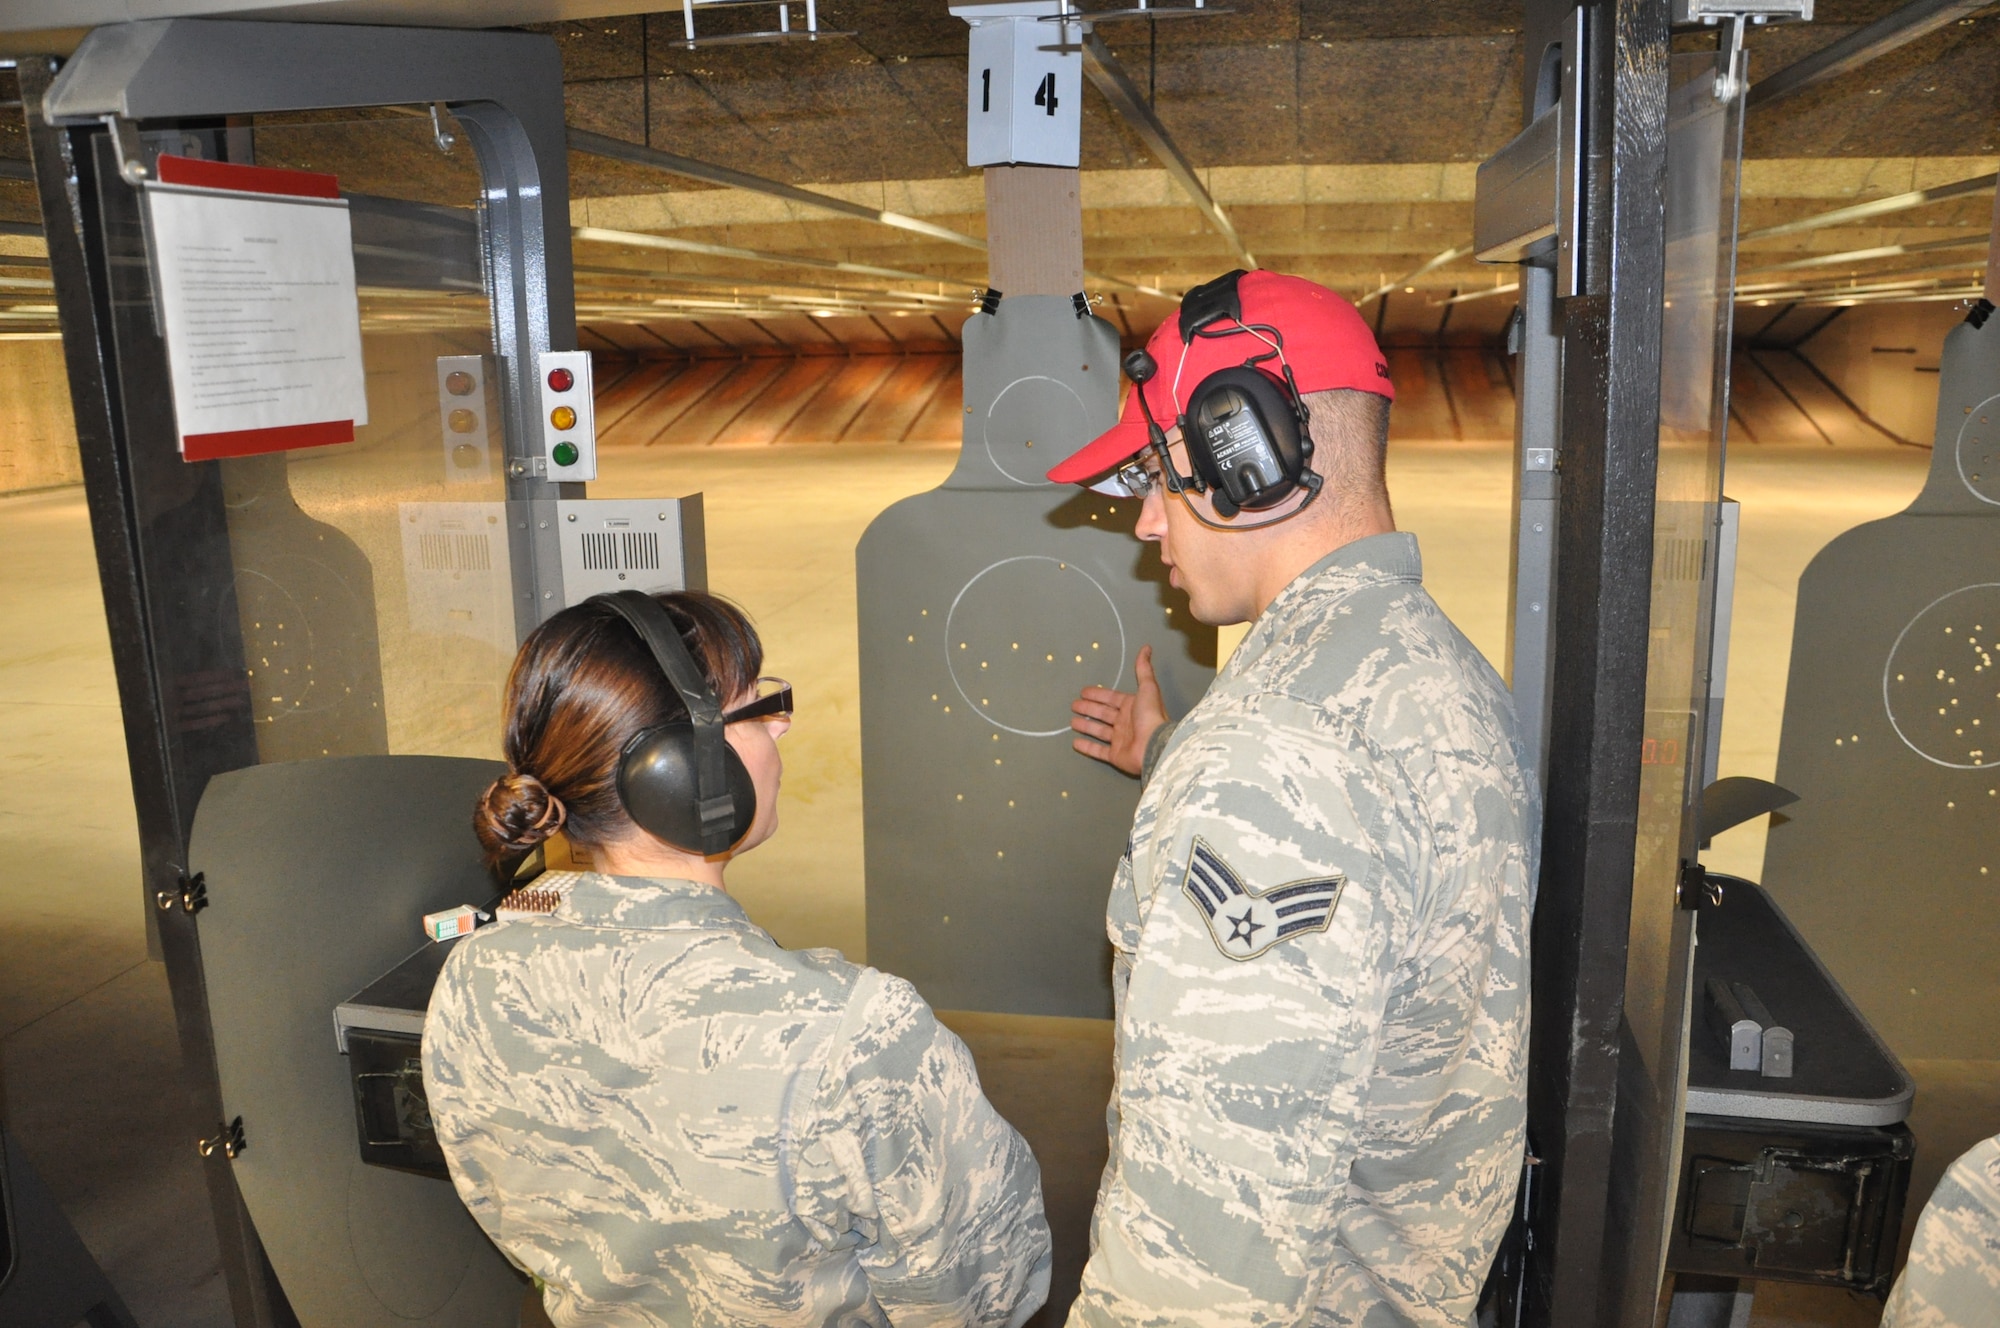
point(1341, 137)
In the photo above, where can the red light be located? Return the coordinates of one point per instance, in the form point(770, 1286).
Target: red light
point(561, 380)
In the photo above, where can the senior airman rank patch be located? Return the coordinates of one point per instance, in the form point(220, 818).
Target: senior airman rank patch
point(1245, 923)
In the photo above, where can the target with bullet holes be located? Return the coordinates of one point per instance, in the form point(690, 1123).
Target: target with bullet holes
point(985, 607)
point(1889, 863)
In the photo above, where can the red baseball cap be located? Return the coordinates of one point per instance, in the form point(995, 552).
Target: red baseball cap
point(1326, 341)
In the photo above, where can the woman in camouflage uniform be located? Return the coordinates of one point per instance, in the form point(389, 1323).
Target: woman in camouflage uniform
point(659, 1112)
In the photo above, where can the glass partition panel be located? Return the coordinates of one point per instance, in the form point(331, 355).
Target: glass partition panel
point(372, 577)
point(1704, 148)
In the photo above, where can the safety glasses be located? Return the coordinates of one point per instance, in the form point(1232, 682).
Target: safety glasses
point(774, 697)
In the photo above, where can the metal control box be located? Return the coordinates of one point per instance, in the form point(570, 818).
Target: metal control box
point(614, 544)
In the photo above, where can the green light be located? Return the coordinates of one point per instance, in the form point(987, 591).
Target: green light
point(565, 454)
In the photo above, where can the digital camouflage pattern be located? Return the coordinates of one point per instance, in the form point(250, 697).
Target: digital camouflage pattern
point(1321, 969)
point(671, 1120)
point(1953, 1277)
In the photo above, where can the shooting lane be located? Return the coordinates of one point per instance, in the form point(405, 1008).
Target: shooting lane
point(986, 606)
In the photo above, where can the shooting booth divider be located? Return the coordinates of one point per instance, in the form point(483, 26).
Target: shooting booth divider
point(311, 645)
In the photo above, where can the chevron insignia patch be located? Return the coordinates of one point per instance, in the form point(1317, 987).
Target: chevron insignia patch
point(1245, 923)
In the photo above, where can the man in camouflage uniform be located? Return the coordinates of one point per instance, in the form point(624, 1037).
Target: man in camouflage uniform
point(1953, 1277)
point(671, 1120)
point(1321, 922)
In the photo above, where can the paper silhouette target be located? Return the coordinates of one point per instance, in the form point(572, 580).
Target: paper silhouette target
point(985, 607)
point(1889, 860)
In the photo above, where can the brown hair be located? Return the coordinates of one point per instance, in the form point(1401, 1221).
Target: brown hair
point(582, 686)
point(1350, 429)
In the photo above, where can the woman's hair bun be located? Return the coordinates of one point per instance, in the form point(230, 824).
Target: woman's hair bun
point(516, 813)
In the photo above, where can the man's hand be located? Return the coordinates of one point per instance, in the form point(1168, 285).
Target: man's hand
point(1116, 726)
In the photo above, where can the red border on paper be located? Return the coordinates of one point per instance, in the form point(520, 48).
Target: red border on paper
point(251, 442)
point(246, 179)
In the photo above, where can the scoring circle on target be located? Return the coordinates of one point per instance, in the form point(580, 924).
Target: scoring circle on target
point(1025, 635)
point(1940, 685)
point(1029, 410)
point(1977, 452)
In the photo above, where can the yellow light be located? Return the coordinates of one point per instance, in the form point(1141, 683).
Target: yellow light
point(562, 417)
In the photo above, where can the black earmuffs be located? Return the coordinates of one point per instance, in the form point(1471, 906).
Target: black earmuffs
point(1245, 427)
point(681, 781)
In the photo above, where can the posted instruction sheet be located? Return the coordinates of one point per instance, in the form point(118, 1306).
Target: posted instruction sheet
point(254, 271)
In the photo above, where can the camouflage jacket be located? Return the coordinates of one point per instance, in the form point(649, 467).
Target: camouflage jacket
point(669, 1119)
point(1953, 1277)
point(1321, 968)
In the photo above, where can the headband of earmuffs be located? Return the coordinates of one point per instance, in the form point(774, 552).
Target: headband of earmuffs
point(681, 781)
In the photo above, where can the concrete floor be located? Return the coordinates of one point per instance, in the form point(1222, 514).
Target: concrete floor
point(88, 1056)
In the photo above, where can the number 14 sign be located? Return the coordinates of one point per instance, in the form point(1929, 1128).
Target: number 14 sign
point(1024, 85)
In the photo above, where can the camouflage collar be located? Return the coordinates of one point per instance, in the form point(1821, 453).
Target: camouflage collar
point(648, 903)
point(1390, 557)
point(1363, 562)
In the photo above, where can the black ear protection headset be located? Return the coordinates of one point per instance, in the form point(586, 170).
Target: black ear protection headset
point(1248, 443)
point(681, 781)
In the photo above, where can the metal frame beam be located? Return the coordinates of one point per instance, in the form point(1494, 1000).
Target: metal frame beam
point(1432, 265)
point(1109, 77)
point(582, 140)
point(617, 149)
point(1917, 19)
point(1879, 207)
point(646, 240)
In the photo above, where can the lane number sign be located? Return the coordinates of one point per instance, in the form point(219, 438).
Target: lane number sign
point(1024, 86)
